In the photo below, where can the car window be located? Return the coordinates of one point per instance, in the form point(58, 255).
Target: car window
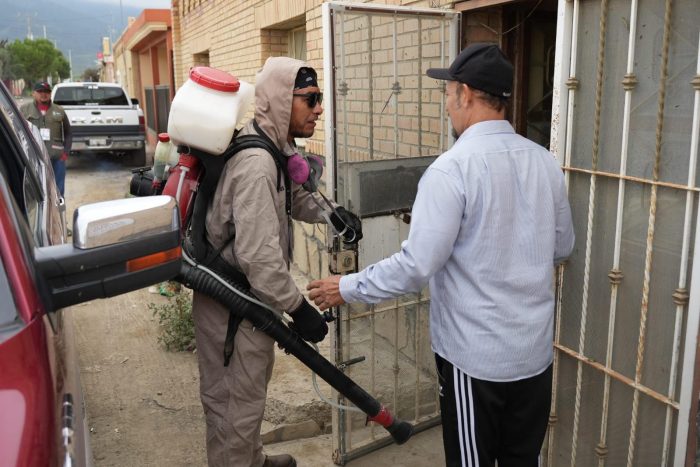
point(10, 322)
point(17, 122)
point(32, 182)
point(90, 95)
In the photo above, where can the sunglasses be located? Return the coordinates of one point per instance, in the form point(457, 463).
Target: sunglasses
point(312, 98)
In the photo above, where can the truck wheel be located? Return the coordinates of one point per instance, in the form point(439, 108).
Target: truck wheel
point(137, 157)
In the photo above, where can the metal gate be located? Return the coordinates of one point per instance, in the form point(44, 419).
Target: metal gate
point(626, 121)
point(386, 123)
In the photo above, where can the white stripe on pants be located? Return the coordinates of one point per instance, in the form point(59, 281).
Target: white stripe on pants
point(465, 409)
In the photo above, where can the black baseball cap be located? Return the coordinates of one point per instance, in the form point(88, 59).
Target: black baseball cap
point(42, 86)
point(481, 66)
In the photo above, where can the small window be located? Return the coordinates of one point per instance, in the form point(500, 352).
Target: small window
point(297, 43)
point(201, 59)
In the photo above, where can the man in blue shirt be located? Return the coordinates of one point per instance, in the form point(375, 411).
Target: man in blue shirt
point(490, 221)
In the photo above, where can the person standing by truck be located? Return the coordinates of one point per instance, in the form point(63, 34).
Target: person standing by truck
point(53, 123)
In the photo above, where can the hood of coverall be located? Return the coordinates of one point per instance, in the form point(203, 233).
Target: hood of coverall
point(274, 86)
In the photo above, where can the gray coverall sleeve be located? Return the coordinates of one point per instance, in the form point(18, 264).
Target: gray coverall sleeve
point(304, 208)
point(257, 243)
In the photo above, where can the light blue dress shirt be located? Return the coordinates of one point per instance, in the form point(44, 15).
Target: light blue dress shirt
point(490, 221)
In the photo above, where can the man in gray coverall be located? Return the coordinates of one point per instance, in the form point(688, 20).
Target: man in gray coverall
point(250, 203)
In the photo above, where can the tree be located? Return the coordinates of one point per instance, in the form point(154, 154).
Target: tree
point(91, 75)
point(35, 60)
point(5, 61)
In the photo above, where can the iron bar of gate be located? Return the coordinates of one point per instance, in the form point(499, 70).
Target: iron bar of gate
point(373, 348)
point(370, 94)
point(395, 88)
point(417, 347)
point(419, 91)
point(590, 223)
point(691, 330)
point(555, 364)
point(643, 181)
point(572, 85)
point(442, 84)
point(650, 230)
point(395, 368)
point(680, 296)
point(616, 274)
point(343, 91)
point(385, 309)
point(418, 308)
point(618, 376)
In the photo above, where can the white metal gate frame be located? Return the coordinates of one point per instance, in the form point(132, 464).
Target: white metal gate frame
point(331, 70)
point(562, 122)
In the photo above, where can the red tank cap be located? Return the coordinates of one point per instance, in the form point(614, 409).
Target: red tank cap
point(163, 137)
point(214, 79)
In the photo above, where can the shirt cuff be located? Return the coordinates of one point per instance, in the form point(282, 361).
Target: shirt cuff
point(348, 287)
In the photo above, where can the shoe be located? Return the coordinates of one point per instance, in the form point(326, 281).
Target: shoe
point(282, 460)
point(69, 233)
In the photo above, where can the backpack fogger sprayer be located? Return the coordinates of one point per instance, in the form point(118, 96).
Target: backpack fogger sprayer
point(203, 154)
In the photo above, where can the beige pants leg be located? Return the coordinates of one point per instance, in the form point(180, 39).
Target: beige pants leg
point(233, 397)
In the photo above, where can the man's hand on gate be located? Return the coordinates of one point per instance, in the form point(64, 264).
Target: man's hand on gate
point(344, 220)
point(308, 323)
point(64, 156)
point(325, 292)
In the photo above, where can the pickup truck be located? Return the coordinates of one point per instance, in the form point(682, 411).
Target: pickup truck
point(103, 119)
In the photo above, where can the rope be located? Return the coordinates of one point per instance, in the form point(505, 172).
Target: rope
point(650, 230)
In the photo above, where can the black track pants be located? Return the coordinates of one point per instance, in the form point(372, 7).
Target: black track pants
point(484, 421)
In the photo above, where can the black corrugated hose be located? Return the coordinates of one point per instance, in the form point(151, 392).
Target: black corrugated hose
point(265, 320)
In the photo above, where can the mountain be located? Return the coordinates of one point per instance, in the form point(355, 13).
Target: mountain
point(76, 26)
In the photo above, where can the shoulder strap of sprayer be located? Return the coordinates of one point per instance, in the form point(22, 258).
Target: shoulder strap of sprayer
point(213, 167)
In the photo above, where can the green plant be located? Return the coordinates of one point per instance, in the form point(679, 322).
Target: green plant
point(175, 320)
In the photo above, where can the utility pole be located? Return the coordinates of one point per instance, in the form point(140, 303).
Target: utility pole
point(121, 14)
point(70, 64)
point(44, 31)
point(30, 36)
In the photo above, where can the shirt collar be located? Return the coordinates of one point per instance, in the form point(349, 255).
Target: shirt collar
point(488, 127)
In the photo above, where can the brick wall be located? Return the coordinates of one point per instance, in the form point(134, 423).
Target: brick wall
point(239, 35)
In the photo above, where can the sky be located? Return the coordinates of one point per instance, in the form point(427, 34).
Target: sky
point(138, 3)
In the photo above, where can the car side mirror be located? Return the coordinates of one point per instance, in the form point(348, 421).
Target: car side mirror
point(135, 102)
point(118, 246)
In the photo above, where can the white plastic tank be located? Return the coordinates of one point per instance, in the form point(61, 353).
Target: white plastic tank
point(207, 108)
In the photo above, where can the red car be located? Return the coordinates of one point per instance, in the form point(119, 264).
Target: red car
point(117, 246)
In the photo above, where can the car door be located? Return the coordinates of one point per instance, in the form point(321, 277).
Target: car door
point(32, 190)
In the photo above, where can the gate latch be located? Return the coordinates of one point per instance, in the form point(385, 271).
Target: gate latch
point(342, 262)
